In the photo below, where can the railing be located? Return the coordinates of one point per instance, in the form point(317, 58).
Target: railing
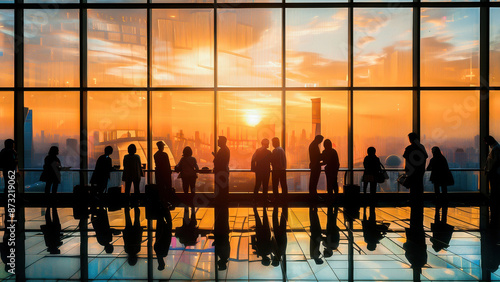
point(242, 180)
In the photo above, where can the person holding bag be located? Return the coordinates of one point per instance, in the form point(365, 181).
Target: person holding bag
point(187, 168)
point(440, 172)
point(373, 170)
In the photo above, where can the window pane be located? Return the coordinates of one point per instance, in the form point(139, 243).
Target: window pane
point(450, 47)
point(183, 47)
point(7, 48)
point(246, 118)
point(249, 47)
point(495, 46)
point(51, 48)
point(6, 116)
point(117, 47)
point(307, 111)
point(185, 119)
point(383, 47)
point(323, 63)
point(182, 1)
point(495, 114)
point(450, 120)
point(116, 119)
point(52, 119)
point(382, 120)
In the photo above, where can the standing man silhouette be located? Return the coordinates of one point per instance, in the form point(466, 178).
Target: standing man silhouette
point(221, 168)
point(415, 156)
point(492, 170)
point(8, 161)
point(163, 170)
point(261, 165)
point(315, 164)
point(102, 171)
point(278, 161)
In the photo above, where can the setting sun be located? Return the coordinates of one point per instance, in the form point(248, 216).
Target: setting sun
point(252, 118)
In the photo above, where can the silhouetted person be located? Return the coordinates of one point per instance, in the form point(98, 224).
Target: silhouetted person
point(163, 170)
point(315, 165)
point(163, 175)
point(490, 249)
point(372, 167)
point(415, 247)
point(372, 232)
point(52, 231)
point(221, 237)
point(440, 172)
point(221, 168)
point(102, 171)
point(163, 237)
point(330, 158)
point(278, 161)
point(132, 171)
point(8, 161)
point(279, 228)
point(332, 240)
point(51, 174)
point(188, 233)
point(316, 237)
point(441, 230)
point(187, 168)
point(261, 165)
point(132, 235)
point(262, 241)
point(415, 157)
point(103, 232)
point(492, 170)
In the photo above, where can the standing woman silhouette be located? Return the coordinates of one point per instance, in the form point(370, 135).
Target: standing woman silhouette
point(187, 168)
point(51, 174)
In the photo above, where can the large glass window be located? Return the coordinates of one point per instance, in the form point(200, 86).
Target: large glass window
point(117, 51)
point(494, 114)
point(246, 118)
point(183, 119)
point(6, 116)
point(495, 46)
point(7, 48)
point(182, 49)
point(449, 54)
point(450, 120)
point(51, 48)
point(382, 47)
point(116, 119)
point(323, 63)
point(382, 120)
point(52, 119)
point(249, 47)
point(312, 113)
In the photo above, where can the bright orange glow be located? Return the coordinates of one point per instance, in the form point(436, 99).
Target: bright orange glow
point(495, 114)
point(6, 116)
point(252, 117)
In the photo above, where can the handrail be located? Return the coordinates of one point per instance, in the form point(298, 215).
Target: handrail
point(248, 170)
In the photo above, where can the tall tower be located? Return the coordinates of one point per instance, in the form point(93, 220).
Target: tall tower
point(316, 116)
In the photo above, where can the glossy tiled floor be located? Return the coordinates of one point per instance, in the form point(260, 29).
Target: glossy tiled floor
point(380, 248)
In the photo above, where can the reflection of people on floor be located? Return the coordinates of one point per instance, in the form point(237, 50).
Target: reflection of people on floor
point(279, 228)
point(316, 236)
point(415, 247)
point(490, 248)
point(188, 233)
point(262, 241)
point(372, 231)
point(52, 231)
point(103, 231)
point(163, 237)
point(441, 230)
point(221, 237)
point(132, 235)
point(332, 240)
